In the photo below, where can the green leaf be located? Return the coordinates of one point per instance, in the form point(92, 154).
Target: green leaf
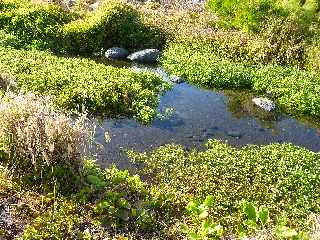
point(134, 212)
point(263, 215)
point(251, 224)
point(209, 201)
point(194, 236)
point(250, 211)
point(192, 207)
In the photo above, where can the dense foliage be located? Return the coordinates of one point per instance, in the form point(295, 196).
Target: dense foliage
point(45, 26)
point(81, 84)
point(35, 25)
point(250, 15)
point(282, 177)
point(113, 24)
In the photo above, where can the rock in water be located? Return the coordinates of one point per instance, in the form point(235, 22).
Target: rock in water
point(116, 53)
point(264, 103)
point(176, 79)
point(145, 56)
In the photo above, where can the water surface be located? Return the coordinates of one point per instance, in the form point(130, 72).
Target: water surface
point(189, 115)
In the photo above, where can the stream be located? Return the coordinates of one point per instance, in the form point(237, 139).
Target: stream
point(189, 116)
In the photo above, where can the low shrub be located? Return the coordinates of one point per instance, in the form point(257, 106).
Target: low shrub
point(110, 202)
point(251, 15)
point(35, 25)
point(283, 30)
point(280, 176)
point(49, 26)
point(295, 90)
point(38, 143)
point(77, 84)
point(244, 14)
point(113, 24)
point(312, 54)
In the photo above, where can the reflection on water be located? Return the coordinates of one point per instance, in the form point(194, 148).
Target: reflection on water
point(196, 115)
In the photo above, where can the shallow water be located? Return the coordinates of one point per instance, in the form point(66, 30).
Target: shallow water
point(190, 116)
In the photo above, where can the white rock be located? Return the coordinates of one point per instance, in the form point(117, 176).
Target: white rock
point(264, 103)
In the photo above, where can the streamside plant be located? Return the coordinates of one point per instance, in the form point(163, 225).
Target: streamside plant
point(37, 141)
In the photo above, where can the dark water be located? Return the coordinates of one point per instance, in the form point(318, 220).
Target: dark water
point(189, 116)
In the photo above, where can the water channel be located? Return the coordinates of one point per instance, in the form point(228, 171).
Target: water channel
point(189, 115)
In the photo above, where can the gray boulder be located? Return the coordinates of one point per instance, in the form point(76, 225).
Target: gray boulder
point(176, 79)
point(116, 53)
point(264, 103)
point(145, 56)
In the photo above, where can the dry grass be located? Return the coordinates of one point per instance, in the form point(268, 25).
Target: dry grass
point(315, 227)
point(7, 81)
point(34, 136)
point(177, 21)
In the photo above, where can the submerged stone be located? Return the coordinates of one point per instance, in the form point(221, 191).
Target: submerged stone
point(264, 103)
point(145, 56)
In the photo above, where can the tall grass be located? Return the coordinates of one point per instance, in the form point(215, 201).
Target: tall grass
point(36, 139)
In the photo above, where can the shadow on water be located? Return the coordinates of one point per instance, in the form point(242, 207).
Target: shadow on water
point(189, 115)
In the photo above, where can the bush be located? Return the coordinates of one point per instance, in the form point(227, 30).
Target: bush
point(36, 141)
point(44, 26)
point(282, 177)
point(295, 90)
point(245, 14)
point(111, 201)
point(313, 54)
point(113, 24)
point(251, 15)
point(77, 84)
point(34, 24)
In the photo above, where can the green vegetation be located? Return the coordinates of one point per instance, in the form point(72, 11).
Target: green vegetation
point(113, 24)
point(61, 194)
point(34, 25)
point(48, 26)
point(251, 15)
point(282, 177)
point(51, 189)
point(78, 84)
